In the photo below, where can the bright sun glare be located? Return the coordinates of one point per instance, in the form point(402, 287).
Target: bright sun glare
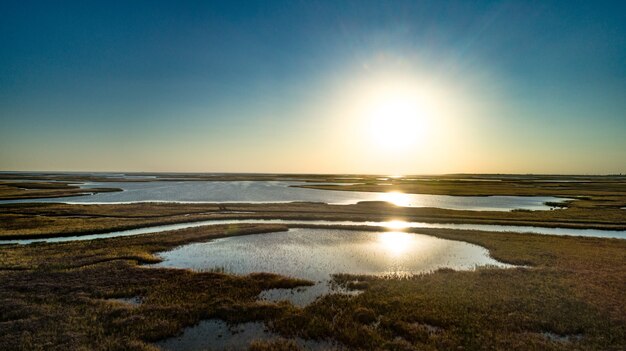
point(396, 198)
point(394, 121)
point(397, 119)
point(396, 243)
point(396, 224)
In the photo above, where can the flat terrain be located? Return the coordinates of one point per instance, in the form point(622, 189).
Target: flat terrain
point(12, 190)
point(569, 295)
point(475, 185)
point(49, 220)
point(568, 292)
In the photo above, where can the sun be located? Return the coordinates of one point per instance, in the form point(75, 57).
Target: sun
point(392, 121)
point(397, 119)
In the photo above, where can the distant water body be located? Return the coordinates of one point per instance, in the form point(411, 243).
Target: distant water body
point(283, 191)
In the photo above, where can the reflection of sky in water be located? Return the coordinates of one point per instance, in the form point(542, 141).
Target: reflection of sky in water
point(279, 191)
point(316, 254)
point(214, 334)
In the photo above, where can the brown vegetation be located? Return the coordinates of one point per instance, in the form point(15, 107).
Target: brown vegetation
point(46, 220)
point(12, 190)
point(572, 288)
point(55, 296)
point(568, 296)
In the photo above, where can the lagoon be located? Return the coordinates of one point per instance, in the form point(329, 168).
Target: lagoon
point(285, 191)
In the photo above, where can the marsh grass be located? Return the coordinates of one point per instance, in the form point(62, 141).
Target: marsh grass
point(520, 186)
point(58, 299)
point(598, 203)
point(10, 190)
point(569, 294)
point(18, 221)
point(571, 287)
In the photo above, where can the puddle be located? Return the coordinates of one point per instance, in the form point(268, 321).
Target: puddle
point(316, 254)
point(215, 334)
point(133, 301)
point(561, 338)
point(303, 296)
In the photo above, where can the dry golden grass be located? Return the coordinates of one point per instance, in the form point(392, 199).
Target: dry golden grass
point(11, 190)
point(54, 297)
point(48, 220)
point(569, 296)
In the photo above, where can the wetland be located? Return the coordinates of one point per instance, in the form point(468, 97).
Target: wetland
point(309, 275)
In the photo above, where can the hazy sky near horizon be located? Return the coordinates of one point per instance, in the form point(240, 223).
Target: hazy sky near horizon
point(290, 86)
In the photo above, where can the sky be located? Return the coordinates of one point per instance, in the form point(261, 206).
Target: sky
point(384, 87)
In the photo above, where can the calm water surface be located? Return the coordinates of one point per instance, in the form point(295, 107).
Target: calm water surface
point(281, 191)
point(215, 334)
point(316, 254)
point(617, 234)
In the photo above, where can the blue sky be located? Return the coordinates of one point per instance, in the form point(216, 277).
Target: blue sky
point(265, 86)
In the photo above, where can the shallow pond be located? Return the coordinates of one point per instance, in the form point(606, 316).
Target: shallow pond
point(316, 254)
point(281, 191)
point(214, 334)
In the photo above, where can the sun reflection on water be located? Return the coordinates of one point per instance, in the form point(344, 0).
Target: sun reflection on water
point(396, 198)
point(396, 224)
point(396, 243)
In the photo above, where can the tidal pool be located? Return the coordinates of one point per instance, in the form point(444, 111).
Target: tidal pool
point(317, 254)
point(282, 191)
